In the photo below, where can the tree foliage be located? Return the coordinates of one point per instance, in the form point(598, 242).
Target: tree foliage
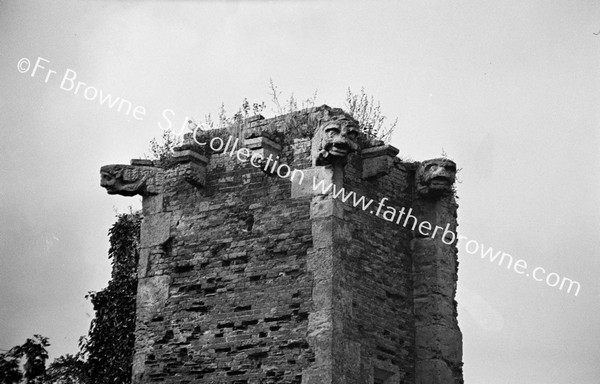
point(34, 351)
point(360, 105)
point(163, 151)
point(368, 114)
point(291, 104)
point(35, 354)
point(68, 369)
point(10, 373)
point(110, 342)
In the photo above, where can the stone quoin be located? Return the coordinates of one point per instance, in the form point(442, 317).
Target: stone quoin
point(248, 276)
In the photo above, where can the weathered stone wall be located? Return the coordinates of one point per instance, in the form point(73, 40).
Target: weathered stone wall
point(377, 273)
point(248, 277)
point(438, 338)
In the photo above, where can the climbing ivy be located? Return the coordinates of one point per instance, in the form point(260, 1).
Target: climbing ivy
point(110, 342)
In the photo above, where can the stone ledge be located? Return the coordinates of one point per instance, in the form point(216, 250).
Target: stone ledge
point(188, 155)
point(142, 162)
point(380, 150)
point(261, 142)
point(377, 161)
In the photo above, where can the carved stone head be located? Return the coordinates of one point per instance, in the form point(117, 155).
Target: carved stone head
point(436, 177)
point(111, 178)
point(122, 180)
point(334, 140)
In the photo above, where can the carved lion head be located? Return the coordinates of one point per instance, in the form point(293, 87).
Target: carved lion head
point(436, 177)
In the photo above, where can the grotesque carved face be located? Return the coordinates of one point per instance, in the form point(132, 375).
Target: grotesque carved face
point(125, 180)
point(111, 178)
point(436, 177)
point(334, 141)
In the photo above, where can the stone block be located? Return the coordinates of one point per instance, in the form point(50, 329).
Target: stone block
point(317, 375)
point(432, 280)
point(433, 372)
point(376, 167)
point(261, 142)
point(330, 232)
point(347, 359)
point(188, 155)
point(323, 206)
point(143, 162)
point(322, 295)
point(379, 151)
point(263, 148)
point(318, 181)
point(152, 204)
point(438, 341)
point(155, 229)
point(377, 161)
point(320, 336)
point(434, 309)
point(426, 252)
point(152, 295)
point(139, 359)
point(386, 372)
point(143, 263)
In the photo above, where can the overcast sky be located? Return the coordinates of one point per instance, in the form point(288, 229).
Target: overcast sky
point(509, 90)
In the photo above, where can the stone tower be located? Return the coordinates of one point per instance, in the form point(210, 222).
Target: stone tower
point(294, 250)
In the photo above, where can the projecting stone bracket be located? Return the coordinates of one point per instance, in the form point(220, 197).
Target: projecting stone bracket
point(139, 178)
point(192, 166)
point(378, 161)
point(261, 149)
point(435, 178)
point(335, 138)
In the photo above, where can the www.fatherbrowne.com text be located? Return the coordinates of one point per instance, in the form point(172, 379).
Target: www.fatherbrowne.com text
point(398, 216)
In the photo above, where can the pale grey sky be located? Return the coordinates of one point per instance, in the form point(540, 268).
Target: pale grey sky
point(509, 90)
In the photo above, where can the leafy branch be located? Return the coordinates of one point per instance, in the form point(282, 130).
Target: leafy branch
point(368, 114)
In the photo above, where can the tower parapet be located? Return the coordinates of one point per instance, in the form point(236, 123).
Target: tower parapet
point(294, 250)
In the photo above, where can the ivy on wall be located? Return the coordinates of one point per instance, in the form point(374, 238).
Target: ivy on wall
point(110, 342)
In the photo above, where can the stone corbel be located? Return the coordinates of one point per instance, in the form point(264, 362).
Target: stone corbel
point(193, 166)
point(139, 178)
point(261, 149)
point(435, 178)
point(334, 140)
point(377, 161)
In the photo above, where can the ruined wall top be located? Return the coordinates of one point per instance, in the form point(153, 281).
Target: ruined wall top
point(293, 250)
point(334, 135)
